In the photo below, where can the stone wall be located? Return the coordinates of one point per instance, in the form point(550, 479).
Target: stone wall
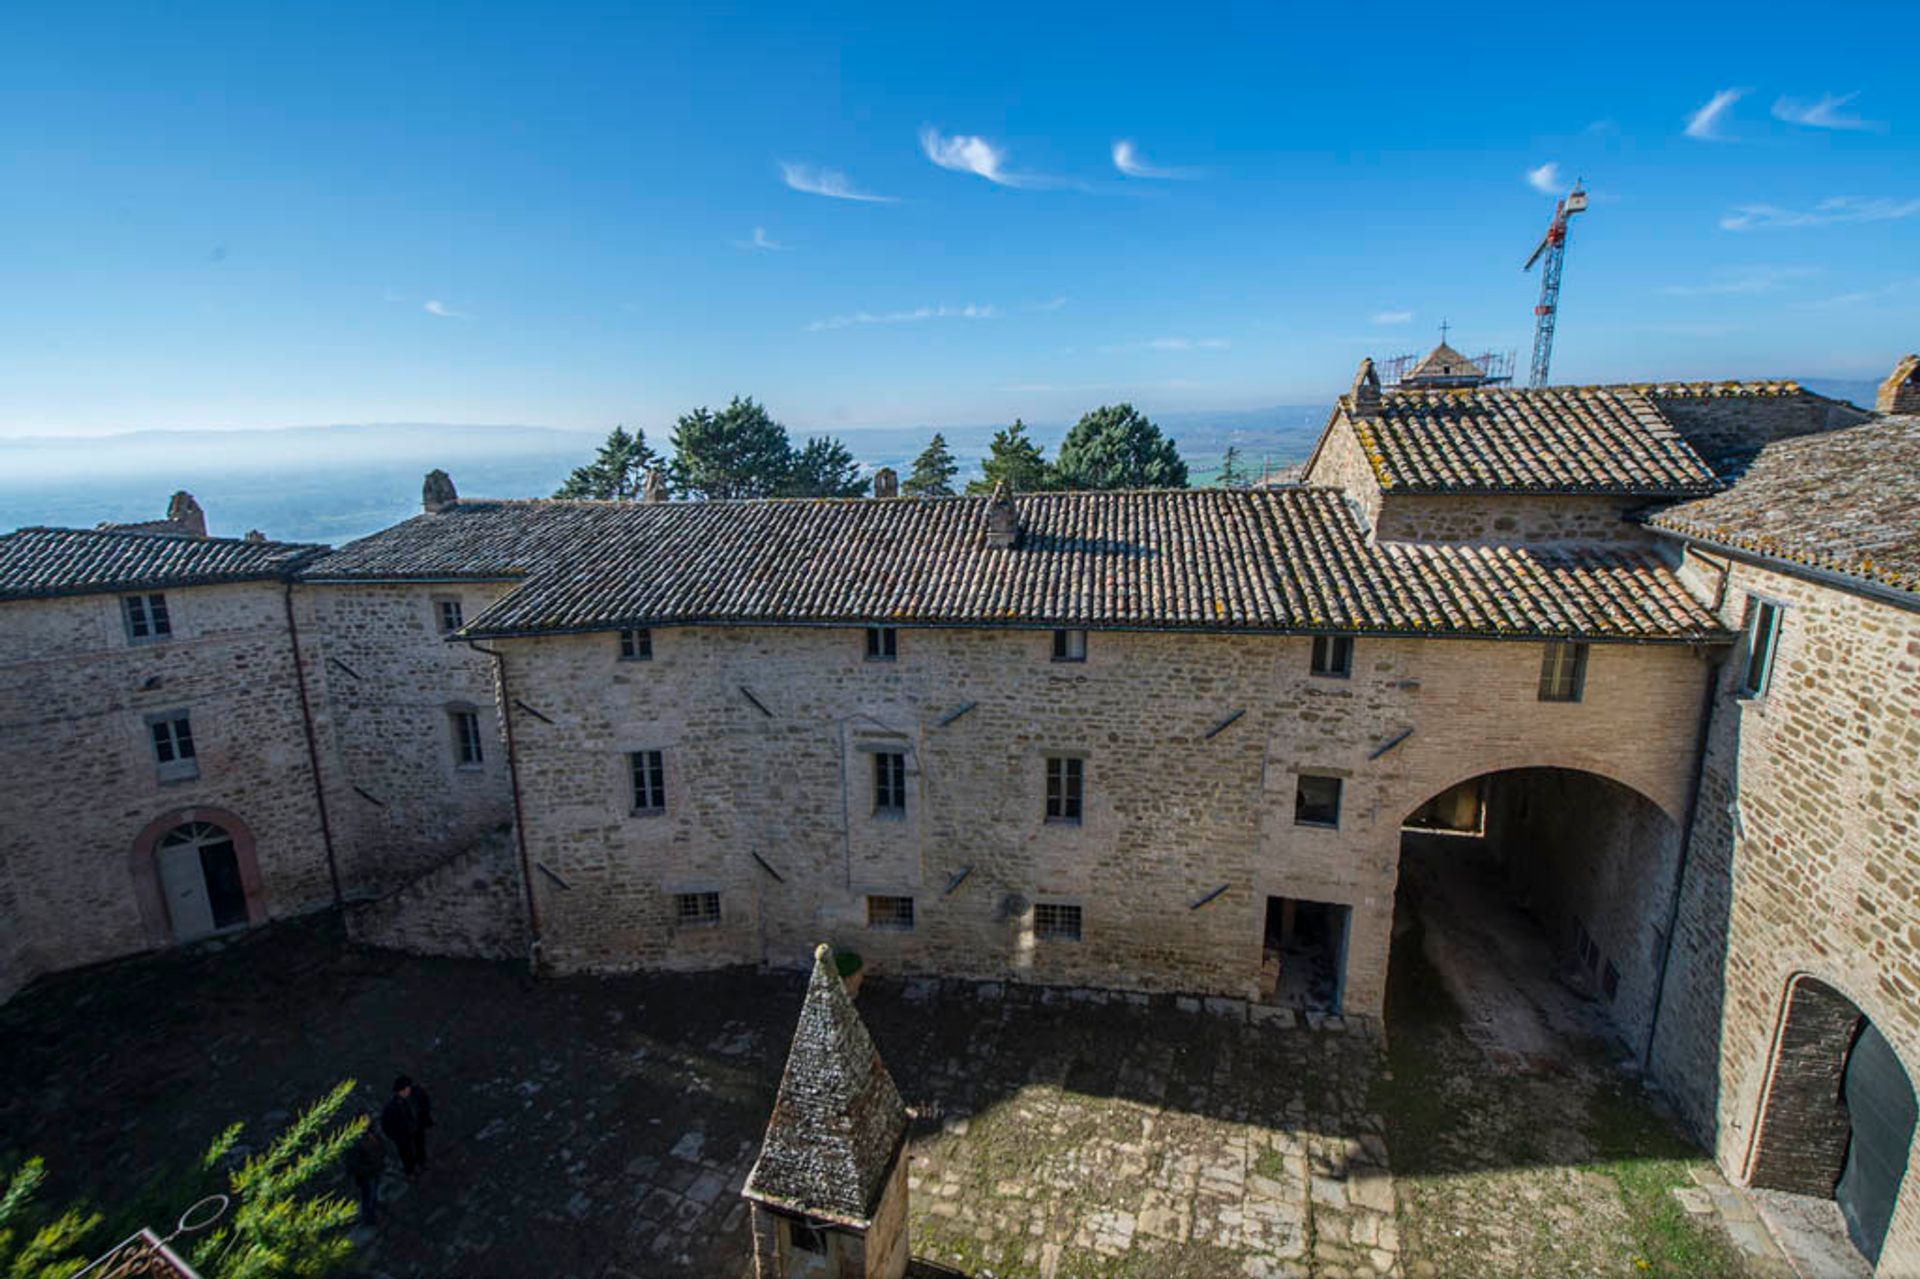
point(1499, 517)
point(1338, 462)
point(17, 966)
point(470, 906)
point(389, 682)
point(1184, 835)
point(84, 802)
point(1804, 860)
point(1725, 428)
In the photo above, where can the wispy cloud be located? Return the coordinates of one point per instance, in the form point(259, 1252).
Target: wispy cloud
point(1827, 113)
point(968, 312)
point(1704, 125)
point(1171, 344)
point(1546, 179)
point(1743, 281)
point(1393, 317)
point(760, 240)
point(969, 153)
point(1840, 208)
point(1127, 159)
point(1051, 304)
point(435, 306)
point(828, 182)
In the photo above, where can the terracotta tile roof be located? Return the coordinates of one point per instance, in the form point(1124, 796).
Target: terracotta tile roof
point(1846, 501)
point(69, 561)
point(482, 540)
point(1585, 439)
point(1276, 560)
point(838, 1120)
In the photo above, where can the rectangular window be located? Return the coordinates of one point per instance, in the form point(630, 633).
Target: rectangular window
point(649, 781)
point(883, 643)
point(1333, 656)
point(693, 910)
point(636, 645)
point(806, 1238)
point(1563, 672)
point(1056, 921)
point(1316, 801)
point(448, 611)
point(1069, 646)
point(1066, 781)
point(146, 617)
point(895, 913)
point(466, 738)
point(1763, 638)
point(173, 753)
point(889, 783)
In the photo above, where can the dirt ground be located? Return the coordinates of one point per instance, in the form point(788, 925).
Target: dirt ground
point(601, 1127)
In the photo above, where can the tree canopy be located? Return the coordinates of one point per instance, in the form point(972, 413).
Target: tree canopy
point(1232, 474)
point(617, 471)
point(933, 471)
point(1015, 458)
point(738, 452)
point(824, 468)
point(1116, 447)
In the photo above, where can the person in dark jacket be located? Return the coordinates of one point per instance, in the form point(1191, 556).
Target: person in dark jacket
point(407, 1117)
point(366, 1160)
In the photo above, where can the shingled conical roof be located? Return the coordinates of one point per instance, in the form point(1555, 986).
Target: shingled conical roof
point(838, 1121)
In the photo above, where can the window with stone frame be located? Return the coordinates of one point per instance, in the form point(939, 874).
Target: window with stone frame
point(467, 749)
point(890, 914)
point(696, 910)
point(1333, 656)
point(173, 751)
point(883, 643)
point(889, 783)
point(648, 770)
point(636, 645)
point(1066, 789)
point(146, 618)
point(448, 613)
point(1316, 800)
point(1069, 646)
point(1056, 921)
point(1563, 671)
point(1763, 641)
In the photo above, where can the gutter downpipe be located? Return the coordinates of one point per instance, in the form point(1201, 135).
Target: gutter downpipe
point(519, 814)
point(313, 745)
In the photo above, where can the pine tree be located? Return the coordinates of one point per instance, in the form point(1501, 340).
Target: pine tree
point(933, 471)
point(33, 1245)
point(617, 472)
point(1232, 474)
point(824, 468)
point(1016, 459)
point(738, 452)
point(1116, 447)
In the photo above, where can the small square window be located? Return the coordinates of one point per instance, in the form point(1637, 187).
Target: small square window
point(696, 910)
point(146, 618)
point(890, 913)
point(1316, 801)
point(889, 783)
point(1333, 656)
point(1066, 788)
point(649, 769)
point(1069, 646)
point(636, 645)
point(883, 643)
point(173, 752)
point(449, 614)
point(1763, 639)
point(806, 1238)
point(467, 752)
point(1563, 672)
point(1056, 921)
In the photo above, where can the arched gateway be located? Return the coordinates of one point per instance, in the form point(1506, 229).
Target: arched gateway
point(196, 873)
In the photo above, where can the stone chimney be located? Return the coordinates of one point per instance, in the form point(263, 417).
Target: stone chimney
point(185, 514)
point(829, 1190)
point(886, 482)
point(654, 487)
point(1366, 390)
point(1003, 522)
point(1900, 393)
point(438, 493)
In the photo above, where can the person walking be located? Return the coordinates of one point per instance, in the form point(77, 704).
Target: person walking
point(366, 1161)
point(406, 1118)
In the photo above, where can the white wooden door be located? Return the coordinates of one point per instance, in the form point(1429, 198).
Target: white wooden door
point(184, 885)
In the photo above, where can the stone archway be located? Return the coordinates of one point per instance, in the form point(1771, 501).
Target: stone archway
point(225, 844)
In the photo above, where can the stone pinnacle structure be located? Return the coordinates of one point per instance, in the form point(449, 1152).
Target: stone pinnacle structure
point(829, 1190)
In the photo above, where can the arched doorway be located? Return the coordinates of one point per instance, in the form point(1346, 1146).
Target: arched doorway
point(1838, 1114)
point(1538, 899)
point(195, 873)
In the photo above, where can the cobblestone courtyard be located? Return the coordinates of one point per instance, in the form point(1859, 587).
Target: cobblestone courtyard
point(602, 1128)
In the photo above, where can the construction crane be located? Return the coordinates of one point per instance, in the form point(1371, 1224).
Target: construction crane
point(1554, 246)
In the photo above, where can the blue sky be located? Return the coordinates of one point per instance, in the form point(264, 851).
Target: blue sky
point(270, 214)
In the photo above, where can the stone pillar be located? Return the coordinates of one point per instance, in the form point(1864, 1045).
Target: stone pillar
point(1366, 390)
point(1900, 393)
point(186, 515)
point(654, 487)
point(886, 482)
point(1003, 521)
point(438, 493)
